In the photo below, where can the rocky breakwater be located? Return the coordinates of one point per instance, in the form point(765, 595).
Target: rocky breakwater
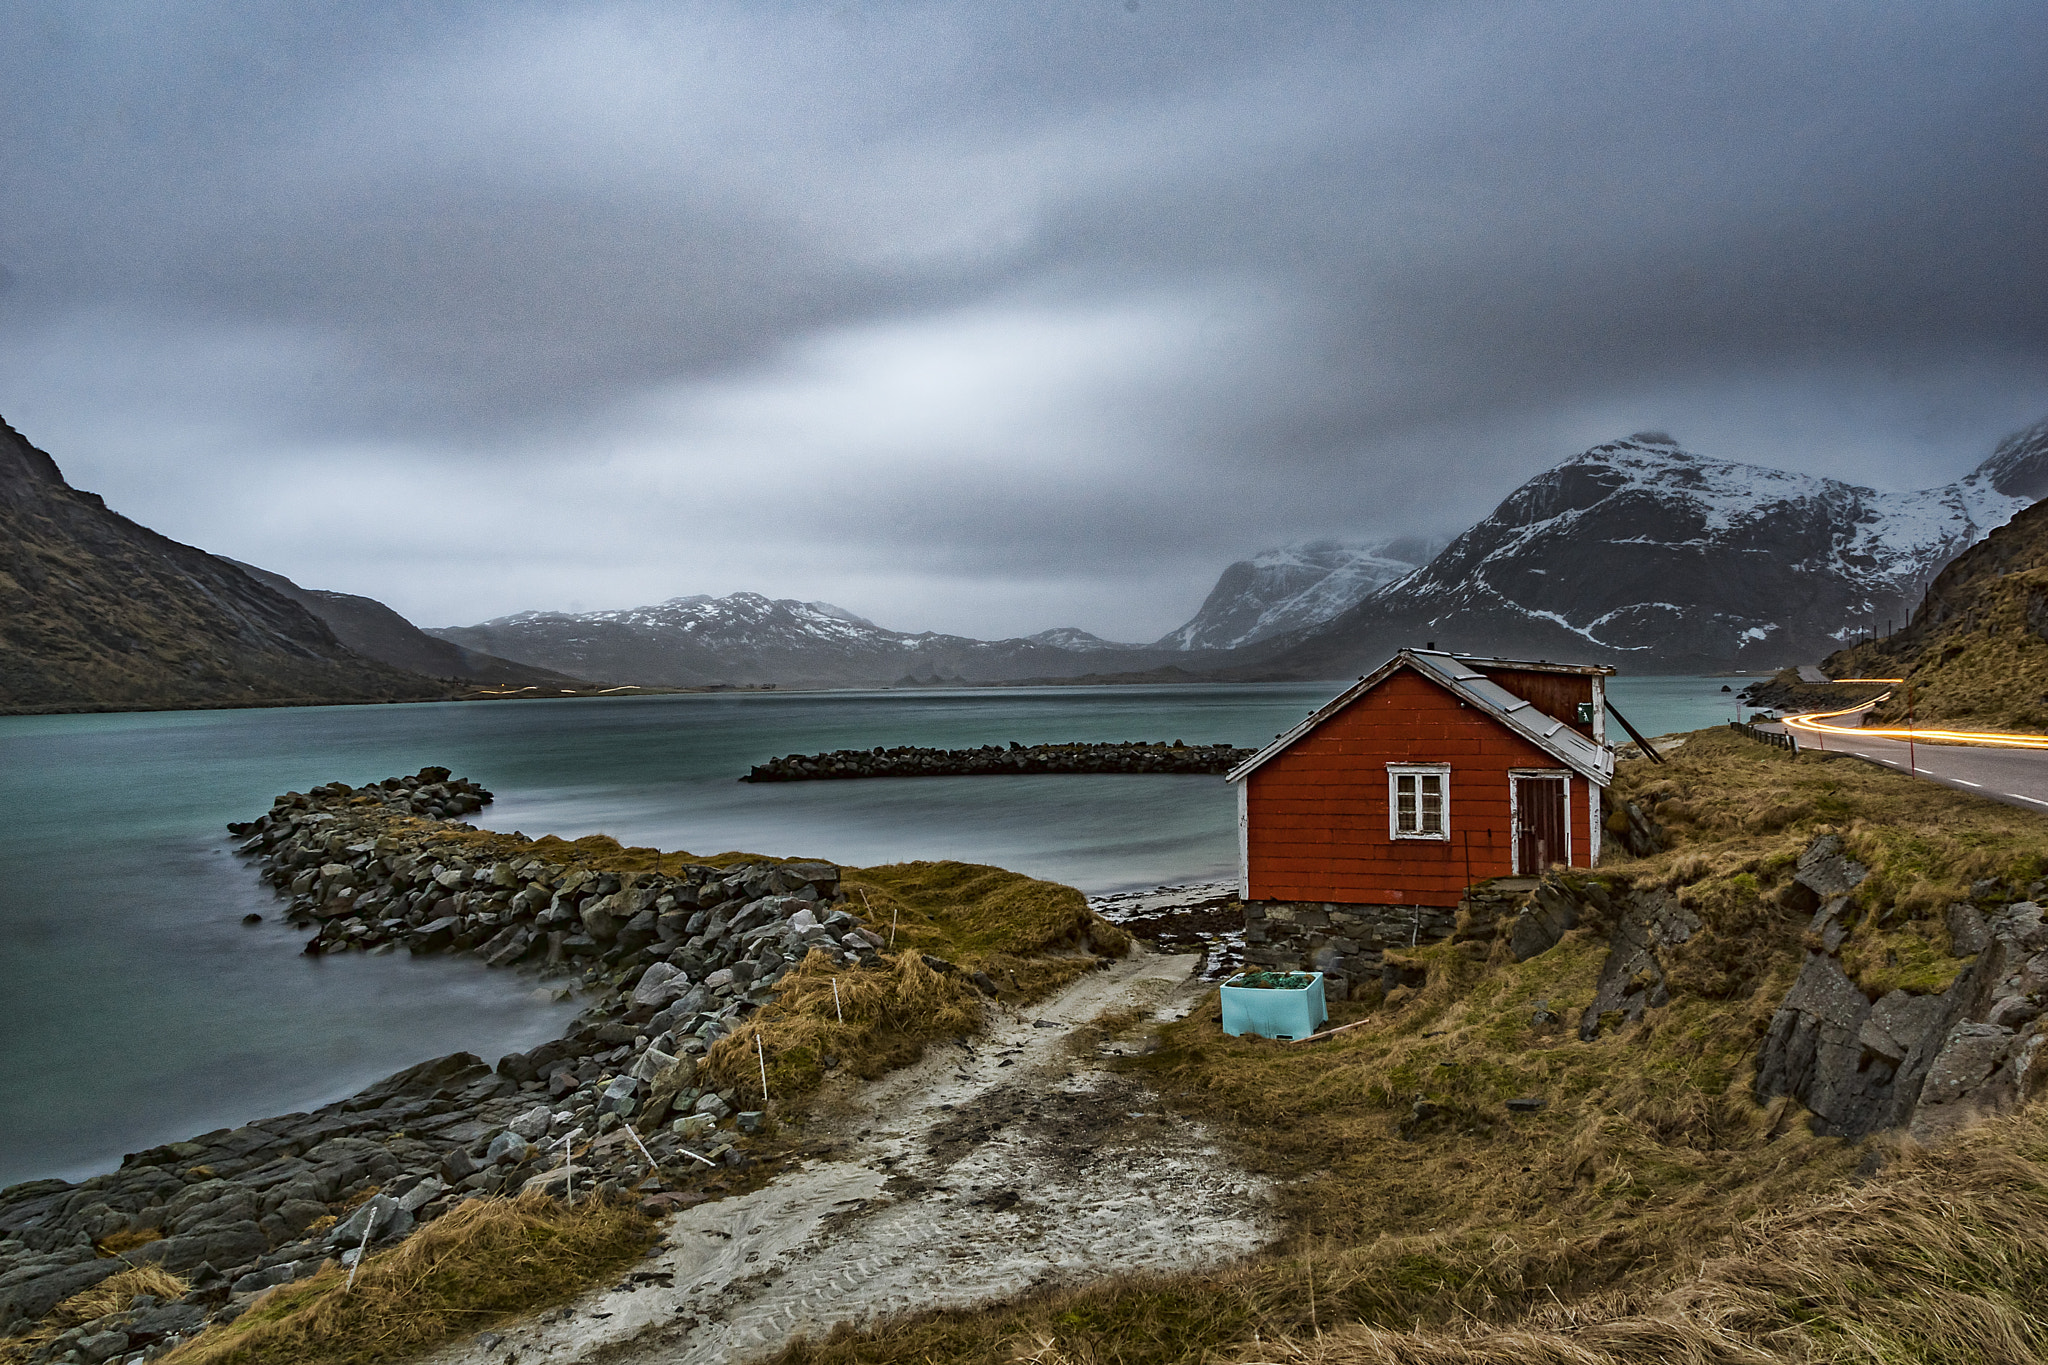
point(908, 761)
point(668, 960)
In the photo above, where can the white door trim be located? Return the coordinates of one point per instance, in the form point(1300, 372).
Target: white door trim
point(1515, 815)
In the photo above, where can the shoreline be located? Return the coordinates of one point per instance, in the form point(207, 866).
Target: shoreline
point(240, 1210)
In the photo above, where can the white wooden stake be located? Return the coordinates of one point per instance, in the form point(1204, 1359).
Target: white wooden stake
point(569, 1165)
point(835, 1000)
point(762, 1053)
point(361, 1252)
point(643, 1148)
point(893, 920)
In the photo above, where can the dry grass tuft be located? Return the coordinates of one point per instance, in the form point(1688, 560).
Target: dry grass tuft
point(127, 1239)
point(482, 1262)
point(979, 916)
point(1029, 936)
point(111, 1295)
point(890, 1016)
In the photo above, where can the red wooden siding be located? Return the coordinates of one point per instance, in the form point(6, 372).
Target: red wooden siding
point(1554, 694)
point(1317, 812)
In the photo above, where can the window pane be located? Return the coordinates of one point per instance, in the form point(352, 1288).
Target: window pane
point(1432, 804)
point(1404, 804)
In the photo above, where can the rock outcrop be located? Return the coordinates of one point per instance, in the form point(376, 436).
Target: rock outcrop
point(1924, 1062)
point(1861, 1061)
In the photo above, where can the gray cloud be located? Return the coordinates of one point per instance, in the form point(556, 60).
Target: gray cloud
point(1001, 317)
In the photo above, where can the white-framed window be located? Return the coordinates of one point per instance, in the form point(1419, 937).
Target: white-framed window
point(1419, 800)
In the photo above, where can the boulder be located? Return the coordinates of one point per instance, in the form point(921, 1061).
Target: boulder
point(533, 1124)
point(1826, 871)
point(637, 932)
point(1547, 916)
point(600, 920)
point(101, 1346)
point(381, 1216)
point(507, 1149)
point(694, 1126)
point(421, 1194)
point(1968, 1056)
point(1632, 978)
point(453, 1071)
point(660, 985)
point(232, 1244)
point(36, 1294)
point(434, 935)
point(618, 1097)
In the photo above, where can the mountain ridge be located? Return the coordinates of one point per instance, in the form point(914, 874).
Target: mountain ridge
point(1638, 551)
point(748, 638)
point(377, 632)
point(99, 612)
point(1292, 587)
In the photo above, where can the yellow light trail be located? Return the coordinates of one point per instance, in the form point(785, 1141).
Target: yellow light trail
point(1811, 721)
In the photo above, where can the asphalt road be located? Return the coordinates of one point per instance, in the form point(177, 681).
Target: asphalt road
point(2018, 777)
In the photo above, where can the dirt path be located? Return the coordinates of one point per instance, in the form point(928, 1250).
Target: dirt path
point(982, 1171)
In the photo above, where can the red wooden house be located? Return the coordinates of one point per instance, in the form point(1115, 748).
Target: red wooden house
point(1371, 817)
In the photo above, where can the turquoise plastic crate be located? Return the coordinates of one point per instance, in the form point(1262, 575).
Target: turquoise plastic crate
point(1273, 1013)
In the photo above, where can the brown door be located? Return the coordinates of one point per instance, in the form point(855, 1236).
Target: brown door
point(1540, 824)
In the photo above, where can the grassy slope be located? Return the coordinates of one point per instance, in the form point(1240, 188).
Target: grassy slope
point(1652, 1206)
point(1975, 652)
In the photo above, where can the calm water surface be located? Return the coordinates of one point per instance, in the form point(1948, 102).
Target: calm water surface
point(135, 1008)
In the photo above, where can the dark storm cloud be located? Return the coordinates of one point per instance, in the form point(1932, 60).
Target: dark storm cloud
point(1045, 311)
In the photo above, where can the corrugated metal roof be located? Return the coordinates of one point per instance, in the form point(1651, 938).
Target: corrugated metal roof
point(1595, 762)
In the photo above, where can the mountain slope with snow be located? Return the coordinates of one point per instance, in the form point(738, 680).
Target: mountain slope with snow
point(748, 638)
point(1295, 587)
point(1648, 556)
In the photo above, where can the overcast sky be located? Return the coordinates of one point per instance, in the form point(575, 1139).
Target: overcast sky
point(987, 317)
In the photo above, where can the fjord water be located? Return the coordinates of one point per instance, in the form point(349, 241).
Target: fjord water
point(135, 1007)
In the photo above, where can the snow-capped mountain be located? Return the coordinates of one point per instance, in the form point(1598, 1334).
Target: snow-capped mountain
point(1295, 587)
point(748, 638)
point(1646, 555)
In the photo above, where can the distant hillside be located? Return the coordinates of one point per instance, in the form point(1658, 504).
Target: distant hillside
point(1641, 554)
point(1295, 587)
point(747, 638)
point(97, 612)
point(1976, 652)
point(375, 631)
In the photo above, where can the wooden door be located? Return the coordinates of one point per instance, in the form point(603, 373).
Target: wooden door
point(1541, 832)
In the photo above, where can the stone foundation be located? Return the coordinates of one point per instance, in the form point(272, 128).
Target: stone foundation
point(1345, 942)
point(1348, 942)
